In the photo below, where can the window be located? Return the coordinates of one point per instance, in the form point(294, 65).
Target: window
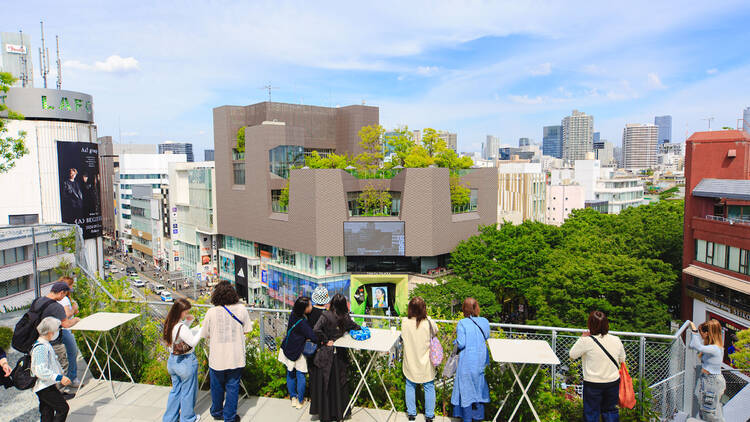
point(720, 255)
point(700, 250)
point(13, 255)
point(239, 173)
point(287, 257)
point(13, 286)
point(744, 261)
point(275, 198)
point(21, 219)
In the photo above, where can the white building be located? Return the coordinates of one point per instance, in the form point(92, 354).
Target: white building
point(140, 169)
point(620, 192)
point(490, 147)
point(192, 200)
point(561, 201)
point(671, 157)
point(586, 174)
point(577, 136)
point(639, 145)
point(521, 192)
point(606, 153)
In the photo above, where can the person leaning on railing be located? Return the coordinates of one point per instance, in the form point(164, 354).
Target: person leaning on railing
point(711, 383)
point(225, 326)
point(470, 389)
point(182, 364)
point(299, 332)
point(601, 377)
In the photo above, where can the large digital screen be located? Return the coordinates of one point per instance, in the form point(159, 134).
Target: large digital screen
point(383, 238)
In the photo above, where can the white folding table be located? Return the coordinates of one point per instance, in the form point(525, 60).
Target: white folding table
point(521, 352)
point(104, 323)
point(380, 341)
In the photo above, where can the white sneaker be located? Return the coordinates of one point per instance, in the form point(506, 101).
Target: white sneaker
point(300, 404)
point(295, 403)
point(197, 417)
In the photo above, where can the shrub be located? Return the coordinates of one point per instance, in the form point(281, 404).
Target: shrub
point(155, 373)
point(5, 336)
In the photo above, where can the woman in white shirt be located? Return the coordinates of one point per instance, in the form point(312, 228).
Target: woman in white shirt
point(182, 364)
point(601, 374)
point(416, 333)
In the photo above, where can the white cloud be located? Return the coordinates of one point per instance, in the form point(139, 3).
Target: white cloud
point(112, 64)
point(712, 71)
point(542, 69)
point(426, 70)
point(654, 82)
point(524, 99)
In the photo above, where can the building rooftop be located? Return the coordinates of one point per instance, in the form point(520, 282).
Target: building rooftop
point(719, 136)
point(723, 188)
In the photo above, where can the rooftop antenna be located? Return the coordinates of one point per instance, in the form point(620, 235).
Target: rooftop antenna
point(709, 119)
point(269, 87)
point(24, 62)
point(59, 64)
point(43, 58)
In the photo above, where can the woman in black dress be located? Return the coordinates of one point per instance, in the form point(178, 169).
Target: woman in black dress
point(328, 383)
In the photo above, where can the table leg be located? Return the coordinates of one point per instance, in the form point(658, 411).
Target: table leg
point(523, 392)
point(387, 394)
point(507, 395)
point(362, 381)
point(93, 357)
point(107, 363)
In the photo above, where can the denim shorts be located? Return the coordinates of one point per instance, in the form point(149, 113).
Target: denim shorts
point(708, 390)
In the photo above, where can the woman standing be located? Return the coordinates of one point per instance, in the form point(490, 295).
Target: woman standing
point(225, 326)
point(298, 331)
point(601, 376)
point(470, 390)
point(711, 383)
point(416, 333)
point(48, 372)
point(182, 364)
point(330, 378)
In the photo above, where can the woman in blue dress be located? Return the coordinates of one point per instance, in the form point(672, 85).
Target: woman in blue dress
point(470, 390)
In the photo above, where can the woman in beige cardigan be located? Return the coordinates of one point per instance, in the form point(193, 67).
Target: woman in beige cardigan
point(416, 332)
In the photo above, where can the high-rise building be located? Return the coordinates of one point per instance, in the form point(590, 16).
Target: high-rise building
point(524, 142)
point(208, 155)
point(490, 147)
point(107, 193)
point(639, 145)
point(451, 140)
point(746, 120)
point(664, 123)
point(16, 57)
point(552, 141)
point(577, 136)
point(715, 257)
point(171, 147)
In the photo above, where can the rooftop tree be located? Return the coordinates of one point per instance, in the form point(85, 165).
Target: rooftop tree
point(11, 148)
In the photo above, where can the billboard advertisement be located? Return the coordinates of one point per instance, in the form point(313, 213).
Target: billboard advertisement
point(240, 276)
point(374, 238)
point(379, 294)
point(78, 169)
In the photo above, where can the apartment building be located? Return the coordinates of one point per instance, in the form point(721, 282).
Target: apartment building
point(521, 192)
point(577, 136)
point(639, 146)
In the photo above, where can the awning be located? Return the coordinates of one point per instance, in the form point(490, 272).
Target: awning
point(723, 188)
point(718, 278)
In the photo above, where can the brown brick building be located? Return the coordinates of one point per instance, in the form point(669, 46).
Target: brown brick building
point(320, 237)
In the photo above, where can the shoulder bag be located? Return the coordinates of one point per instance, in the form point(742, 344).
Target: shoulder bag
point(179, 347)
point(436, 349)
point(627, 394)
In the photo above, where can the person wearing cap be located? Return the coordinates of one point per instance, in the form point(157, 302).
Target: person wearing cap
point(68, 339)
point(320, 301)
point(58, 291)
point(48, 372)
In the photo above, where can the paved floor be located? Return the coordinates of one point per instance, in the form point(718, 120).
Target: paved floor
point(139, 402)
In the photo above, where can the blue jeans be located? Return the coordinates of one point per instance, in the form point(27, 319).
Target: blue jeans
point(429, 398)
point(71, 349)
point(601, 399)
point(295, 384)
point(226, 381)
point(181, 401)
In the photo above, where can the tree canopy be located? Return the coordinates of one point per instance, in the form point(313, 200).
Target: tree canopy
point(11, 148)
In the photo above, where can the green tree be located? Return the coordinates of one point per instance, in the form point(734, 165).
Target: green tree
point(432, 142)
point(460, 195)
point(331, 161)
point(374, 201)
point(402, 143)
point(446, 295)
point(741, 356)
point(284, 197)
point(371, 141)
point(418, 157)
point(11, 149)
point(241, 139)
point(448, 158)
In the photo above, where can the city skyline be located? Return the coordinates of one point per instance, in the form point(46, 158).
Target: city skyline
point(507, 71)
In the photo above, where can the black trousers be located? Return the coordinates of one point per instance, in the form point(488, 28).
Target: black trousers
point(52, 405)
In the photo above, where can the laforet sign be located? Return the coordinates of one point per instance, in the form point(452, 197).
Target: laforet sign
point(52, 104)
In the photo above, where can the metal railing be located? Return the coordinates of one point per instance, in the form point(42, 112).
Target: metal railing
point(728, 219)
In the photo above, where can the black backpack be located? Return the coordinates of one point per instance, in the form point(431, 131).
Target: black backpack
point(22, 377)
point(25, 333)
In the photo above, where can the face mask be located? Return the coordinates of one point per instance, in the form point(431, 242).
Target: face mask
point(55, 334)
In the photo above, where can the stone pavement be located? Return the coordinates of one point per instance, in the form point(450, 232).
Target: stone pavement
point(140, 402)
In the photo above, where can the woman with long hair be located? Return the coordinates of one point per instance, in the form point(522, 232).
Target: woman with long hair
point(601, 376)
point(329, 381)
point(182, 364)
point(298, 331)
point(470, 389)
point(711, 383)
point(225, 326)
point(416, 332)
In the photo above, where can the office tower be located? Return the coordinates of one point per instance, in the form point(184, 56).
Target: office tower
point(177, 148)
point(16, 57)
point(208, 155)
point(664, 123)
point(746, 120)
point(577, 136)
point(451, 140)
point(523, 142)
point(639, 145)
point(552, 141)
point(491, 147)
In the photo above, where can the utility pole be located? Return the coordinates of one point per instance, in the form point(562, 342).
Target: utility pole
point(43, 58)
point(269, 87)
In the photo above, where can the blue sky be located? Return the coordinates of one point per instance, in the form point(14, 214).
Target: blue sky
point(476, 68)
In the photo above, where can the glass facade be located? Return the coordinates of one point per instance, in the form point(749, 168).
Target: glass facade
point(282, 158)
point(238, 172)
point(15, 285)
point(13, 255)
point(552, 141)
point(285, 286)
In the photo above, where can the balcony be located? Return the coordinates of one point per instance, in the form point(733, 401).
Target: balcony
point(732, 227)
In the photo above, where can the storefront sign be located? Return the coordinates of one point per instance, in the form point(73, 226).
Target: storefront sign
point(718, 304)
point(15, 49)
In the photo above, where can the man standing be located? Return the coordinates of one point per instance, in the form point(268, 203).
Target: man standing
point(68, 339)
point(72, 198)
point(59, 290)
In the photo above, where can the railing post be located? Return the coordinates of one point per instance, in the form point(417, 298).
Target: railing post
point(641, 368)
point(554, 367)
point(689, 376)
point(261, 331)
point(37, 287)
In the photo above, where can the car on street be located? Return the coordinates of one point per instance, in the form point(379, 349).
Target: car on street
point(131, 271)
point(157, 288)
point(137, 282)
point(166, 296)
